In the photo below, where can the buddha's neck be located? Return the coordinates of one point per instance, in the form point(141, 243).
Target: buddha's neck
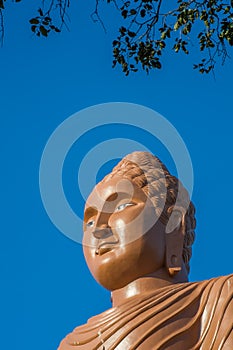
point(147, 284)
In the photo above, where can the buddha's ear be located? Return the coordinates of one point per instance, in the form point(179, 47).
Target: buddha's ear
point(175, 231)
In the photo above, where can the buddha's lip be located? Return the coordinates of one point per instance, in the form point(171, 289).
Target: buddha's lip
point(105, 247)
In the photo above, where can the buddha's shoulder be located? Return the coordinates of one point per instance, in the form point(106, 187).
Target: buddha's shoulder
point(221, 286)
point(225, 281)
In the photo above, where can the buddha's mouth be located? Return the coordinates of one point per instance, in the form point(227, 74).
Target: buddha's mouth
point(105, 247)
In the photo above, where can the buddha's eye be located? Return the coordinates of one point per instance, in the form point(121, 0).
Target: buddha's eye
point(90, 223)
point(123, 206)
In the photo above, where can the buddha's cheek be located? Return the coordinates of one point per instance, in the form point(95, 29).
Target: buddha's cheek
point(133, 223)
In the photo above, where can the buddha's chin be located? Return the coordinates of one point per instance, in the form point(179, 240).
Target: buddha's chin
point(112, 285)
point(111, 276)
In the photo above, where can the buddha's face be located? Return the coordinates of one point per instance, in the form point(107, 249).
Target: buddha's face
point(122, 240)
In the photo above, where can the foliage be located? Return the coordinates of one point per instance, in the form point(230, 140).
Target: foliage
point(150, 28)
point(43, 23)
point(153, 25)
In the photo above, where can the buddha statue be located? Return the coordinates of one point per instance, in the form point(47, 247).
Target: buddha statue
point(138, 233)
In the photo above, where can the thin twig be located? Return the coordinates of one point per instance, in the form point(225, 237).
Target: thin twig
point(95, 13)
point(2, 31)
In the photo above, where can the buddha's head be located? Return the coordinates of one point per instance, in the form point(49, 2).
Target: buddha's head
point(137, 220)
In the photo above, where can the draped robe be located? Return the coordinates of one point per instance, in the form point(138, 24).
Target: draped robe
point(185, 316)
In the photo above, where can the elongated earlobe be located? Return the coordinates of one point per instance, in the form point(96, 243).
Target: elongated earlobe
point(174, 245)
point(174, 248)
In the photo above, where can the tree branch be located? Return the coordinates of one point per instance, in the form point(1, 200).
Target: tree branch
point(96, 17)
point(2, 32)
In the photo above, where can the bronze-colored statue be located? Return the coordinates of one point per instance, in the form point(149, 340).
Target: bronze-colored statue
point(138, 233)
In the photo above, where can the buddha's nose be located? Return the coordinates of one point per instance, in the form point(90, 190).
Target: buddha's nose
point(103, 232)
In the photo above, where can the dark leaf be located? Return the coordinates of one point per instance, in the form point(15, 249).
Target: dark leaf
point(122, 30)
point(40, 12)
point(131, 34)
point(133, 12)
point(33, 28)
point(1, 4)
point(143, 13)
point(124, 13)
point(34, 21)
point(43, 31)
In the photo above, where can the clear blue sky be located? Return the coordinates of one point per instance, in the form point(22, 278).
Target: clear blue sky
point(46, 289)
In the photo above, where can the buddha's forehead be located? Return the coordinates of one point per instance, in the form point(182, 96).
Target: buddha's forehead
point(110, 190)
